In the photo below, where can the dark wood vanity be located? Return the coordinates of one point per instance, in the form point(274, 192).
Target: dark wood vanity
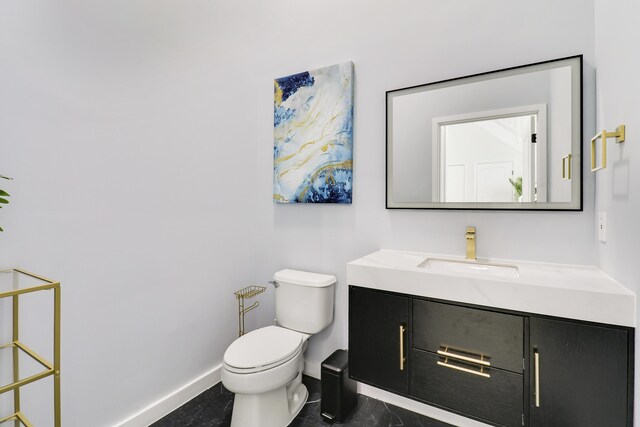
point(500, 367)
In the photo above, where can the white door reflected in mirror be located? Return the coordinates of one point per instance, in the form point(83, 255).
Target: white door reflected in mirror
point(485, 159)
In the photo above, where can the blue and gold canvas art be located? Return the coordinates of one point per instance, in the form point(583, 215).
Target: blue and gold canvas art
point(313, 136)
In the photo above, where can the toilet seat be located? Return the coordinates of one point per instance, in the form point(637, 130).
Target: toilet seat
point(263, 349)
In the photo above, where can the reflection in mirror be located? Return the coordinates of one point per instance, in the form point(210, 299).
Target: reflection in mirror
point(489, 141)
point(488, 159)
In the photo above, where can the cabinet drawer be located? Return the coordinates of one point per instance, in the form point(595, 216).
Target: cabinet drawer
point(497, 399)
point(497, 338)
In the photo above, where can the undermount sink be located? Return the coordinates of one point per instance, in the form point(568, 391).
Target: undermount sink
point(569, 291)
point(437, 265)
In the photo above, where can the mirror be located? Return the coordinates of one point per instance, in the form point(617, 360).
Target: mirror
point(508, 140)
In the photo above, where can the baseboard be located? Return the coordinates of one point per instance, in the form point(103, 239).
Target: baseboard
point(312, 369)
point(420, 408)
point(173, 400)
point(179, 397)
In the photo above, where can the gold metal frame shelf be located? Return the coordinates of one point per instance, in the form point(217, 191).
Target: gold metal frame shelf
point(619, 135)
point(242, 295)
point(50, 369)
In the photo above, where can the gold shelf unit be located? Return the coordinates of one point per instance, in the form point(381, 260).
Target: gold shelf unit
point(13, 283)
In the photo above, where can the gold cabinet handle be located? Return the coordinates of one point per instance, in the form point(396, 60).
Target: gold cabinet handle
point(566, 167)
point(402, 347)
point(480, 373)
point(480, 361)
point(536, 373)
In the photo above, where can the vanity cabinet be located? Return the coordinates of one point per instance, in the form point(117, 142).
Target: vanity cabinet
point(503, 368)
point(378, 332)
point(580, 374)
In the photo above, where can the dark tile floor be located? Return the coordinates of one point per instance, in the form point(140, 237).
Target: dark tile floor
point(213, 408)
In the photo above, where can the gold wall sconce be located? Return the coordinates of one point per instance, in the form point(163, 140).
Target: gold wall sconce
point(619, 135)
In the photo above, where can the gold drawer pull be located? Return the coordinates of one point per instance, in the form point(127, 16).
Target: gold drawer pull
point(402, 347)
point(480, 361)
point(480, 373)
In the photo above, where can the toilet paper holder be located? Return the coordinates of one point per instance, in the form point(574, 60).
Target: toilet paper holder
point(244, 294)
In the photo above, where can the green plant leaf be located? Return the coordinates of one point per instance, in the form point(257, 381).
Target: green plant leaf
point(4, 194)
point(517, 185)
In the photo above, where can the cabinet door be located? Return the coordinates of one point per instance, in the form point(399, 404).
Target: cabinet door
point(578, 375)
point(378, 324)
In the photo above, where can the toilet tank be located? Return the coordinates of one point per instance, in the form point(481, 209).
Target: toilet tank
point(304, 301)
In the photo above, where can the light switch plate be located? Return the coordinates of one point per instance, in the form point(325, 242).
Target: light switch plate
point(602, 226)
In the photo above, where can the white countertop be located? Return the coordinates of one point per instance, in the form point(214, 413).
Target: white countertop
point(569, 291)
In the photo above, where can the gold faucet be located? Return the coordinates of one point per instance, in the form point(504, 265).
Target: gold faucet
point(471, 243)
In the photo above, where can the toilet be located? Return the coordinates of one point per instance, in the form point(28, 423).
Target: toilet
point(264, 367)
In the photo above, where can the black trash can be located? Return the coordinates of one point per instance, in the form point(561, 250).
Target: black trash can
point(338, 391)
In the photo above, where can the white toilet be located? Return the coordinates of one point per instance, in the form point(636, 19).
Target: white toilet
point(264, 367)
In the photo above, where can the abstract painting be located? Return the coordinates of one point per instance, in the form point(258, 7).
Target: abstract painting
point(313, 136)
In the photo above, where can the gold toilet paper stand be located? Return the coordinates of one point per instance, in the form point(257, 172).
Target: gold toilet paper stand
point(242, 295)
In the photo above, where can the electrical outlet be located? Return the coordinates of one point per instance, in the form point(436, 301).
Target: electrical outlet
point(602, 226)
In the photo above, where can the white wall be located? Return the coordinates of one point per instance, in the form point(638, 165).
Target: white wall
point(140, 134)
point(617, 191)
point(124, 126)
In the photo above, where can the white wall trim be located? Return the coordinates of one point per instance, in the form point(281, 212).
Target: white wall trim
point(420, 408)
point(173, 400)
point(179, 397)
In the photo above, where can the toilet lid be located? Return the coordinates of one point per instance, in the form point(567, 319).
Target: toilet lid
point(263, 347)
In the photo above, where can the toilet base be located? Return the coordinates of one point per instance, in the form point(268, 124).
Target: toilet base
point(275, 408)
